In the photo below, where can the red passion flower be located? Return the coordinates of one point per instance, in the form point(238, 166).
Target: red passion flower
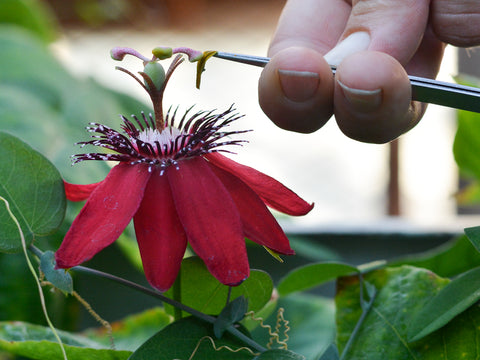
point(176, 185)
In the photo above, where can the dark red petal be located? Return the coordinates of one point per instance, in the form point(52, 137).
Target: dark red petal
point(272, 192)
point(77, 192)
point(160, 235)
point(259, 225)
point(105, 215)
point(210, 219)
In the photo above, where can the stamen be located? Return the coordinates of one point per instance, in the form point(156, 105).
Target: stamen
point(200, 133)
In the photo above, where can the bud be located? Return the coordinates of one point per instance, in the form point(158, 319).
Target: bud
point(156, 73)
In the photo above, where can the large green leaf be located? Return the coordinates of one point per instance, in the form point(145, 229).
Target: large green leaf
point(473, 234)
point(190, 336)
point(34, 190)
point(201, 291)
point(452, 300)
point(309, 276)
point(131, 332)
point(402, 293)
point(38, 342)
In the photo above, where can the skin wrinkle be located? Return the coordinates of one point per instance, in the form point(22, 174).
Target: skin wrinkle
point(384, 38)
point(451, 28)
point(449, 18)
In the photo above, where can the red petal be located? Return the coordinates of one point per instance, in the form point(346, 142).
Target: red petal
point(259, 225)
point(160, 234)
point(76, 192)
point(210, 219)
point(272, 192)
point(105, 215)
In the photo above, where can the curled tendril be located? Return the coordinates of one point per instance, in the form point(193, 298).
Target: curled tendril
point(274, 335)
point(222, 347)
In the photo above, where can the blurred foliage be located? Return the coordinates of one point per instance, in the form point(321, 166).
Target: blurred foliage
point(466, 148)
point(45, 106)
point(32, 15)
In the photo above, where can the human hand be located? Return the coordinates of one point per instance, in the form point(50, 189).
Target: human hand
point(374, 44)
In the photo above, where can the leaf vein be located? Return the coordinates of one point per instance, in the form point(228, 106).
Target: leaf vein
point(392, 327)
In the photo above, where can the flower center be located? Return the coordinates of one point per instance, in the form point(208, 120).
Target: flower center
point(164, 140)
point(196, 134)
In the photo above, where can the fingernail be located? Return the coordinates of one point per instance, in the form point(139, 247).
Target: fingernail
point(358, 41)
point(362, 100)
point(298, 86)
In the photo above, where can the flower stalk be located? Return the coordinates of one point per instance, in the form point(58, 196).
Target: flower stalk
point(177, 305)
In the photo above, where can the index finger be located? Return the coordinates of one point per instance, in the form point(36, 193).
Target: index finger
point(314, 24)
point(296, 87)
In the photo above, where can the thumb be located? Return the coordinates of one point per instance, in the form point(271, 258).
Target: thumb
point(372, 103)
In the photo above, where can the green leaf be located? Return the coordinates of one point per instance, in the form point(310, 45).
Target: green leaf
point(130, 333)
point(59, 278)
point(402, 294)
point(279, 354)
point(330, 354)
point(37, 342)
point(453, 299)
point(447, 260)
point(309, 276)
point(201, 291)
point(473, 234)
point(34, 189)
point(190, 336)
point(233, 312)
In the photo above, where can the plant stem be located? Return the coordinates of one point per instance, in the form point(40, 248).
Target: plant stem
point(210, 319)
point(177, 295)
point(365, 312)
